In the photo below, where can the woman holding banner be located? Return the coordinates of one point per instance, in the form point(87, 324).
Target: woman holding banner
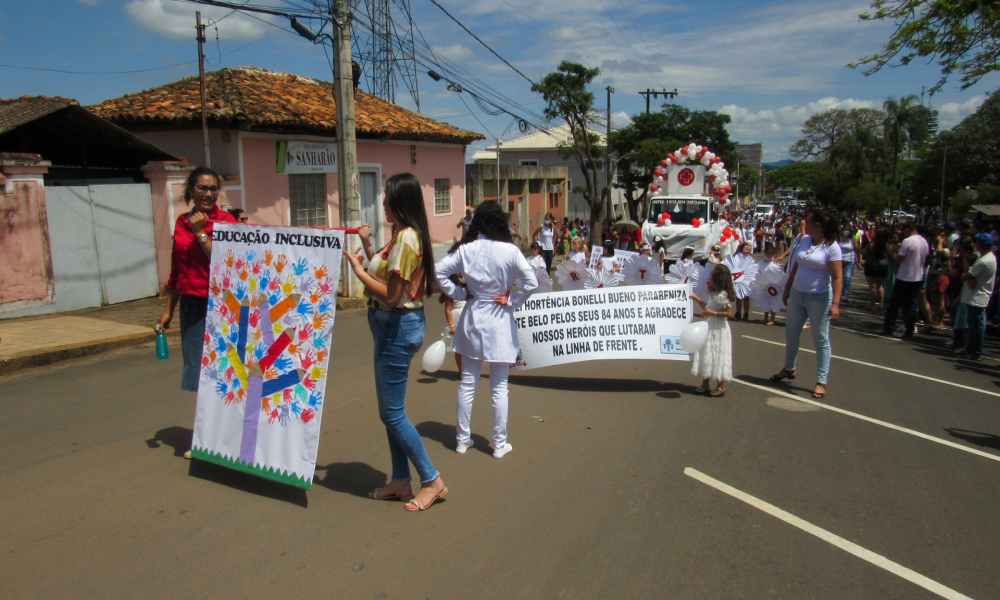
point(396, 280)
point(490, 263)
point(189, 267)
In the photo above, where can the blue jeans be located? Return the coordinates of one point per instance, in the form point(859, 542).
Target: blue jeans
point(816, 308)
point(976, 330)
point(848, 272)
point(193, 311)
point(398, 336)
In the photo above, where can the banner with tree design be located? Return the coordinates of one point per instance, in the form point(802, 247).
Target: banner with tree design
point(271, 307)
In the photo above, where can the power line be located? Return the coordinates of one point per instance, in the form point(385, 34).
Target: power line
point(434, 2)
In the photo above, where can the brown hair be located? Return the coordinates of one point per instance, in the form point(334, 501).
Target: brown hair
point(192, 180)
point(721, 280)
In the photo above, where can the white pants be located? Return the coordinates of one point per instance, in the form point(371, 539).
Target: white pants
point(471, 370)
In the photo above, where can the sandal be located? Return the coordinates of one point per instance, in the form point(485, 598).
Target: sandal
point(783, 374)
point(414, 506)
point(702, 391)
point(822, 394)
point(717, 392)
point(397, 496)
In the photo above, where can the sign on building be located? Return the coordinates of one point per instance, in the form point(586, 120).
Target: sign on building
point(305, 157)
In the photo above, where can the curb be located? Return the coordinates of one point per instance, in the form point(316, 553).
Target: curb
point(22, 362)
point(18, 363)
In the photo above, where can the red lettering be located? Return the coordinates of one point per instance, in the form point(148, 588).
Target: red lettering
point(737, 276)
point(574, 277)
point(642, 274)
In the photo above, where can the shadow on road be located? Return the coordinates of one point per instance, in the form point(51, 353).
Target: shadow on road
point(436, 375)
point(784, 386)
point(178, 438)
point(354, 478)
point(584, 384)
point(445, 435)
point(984, 440)
point(245, 482)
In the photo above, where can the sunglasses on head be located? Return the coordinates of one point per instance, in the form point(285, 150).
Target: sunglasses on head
point(213, 189)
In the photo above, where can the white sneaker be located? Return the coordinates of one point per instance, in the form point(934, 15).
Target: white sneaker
point(461, 448)
point(502, 451)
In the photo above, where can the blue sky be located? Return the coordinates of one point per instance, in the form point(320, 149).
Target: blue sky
point(768, 64)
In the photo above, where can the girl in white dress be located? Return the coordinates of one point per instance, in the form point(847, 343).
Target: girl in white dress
point(490, 263)
point(714, 361)
point(578, 251)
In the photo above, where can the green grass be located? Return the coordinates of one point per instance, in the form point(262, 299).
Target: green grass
point(238, 465)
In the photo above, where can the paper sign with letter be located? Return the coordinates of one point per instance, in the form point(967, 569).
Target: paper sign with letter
point(271, 305)
point(594, 324)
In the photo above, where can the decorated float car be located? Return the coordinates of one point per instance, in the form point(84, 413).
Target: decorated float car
point(681, 214)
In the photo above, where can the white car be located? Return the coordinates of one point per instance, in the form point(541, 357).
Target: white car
point(898, 214)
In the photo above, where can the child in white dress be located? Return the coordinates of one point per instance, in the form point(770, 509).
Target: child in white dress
point(486, 333)
point(714, 361)
point(579, 251)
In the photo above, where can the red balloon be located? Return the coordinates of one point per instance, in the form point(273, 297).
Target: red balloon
point(728, 188)
point(663, 163)
point(704, 149)
point(658, 172)
point(666, 216)
point(659, 221)
point(711, 178)
point(653, 188)
point(716, 160)
point(696, 223)
point(684, 150)
point(671, 158)
point(736, 235)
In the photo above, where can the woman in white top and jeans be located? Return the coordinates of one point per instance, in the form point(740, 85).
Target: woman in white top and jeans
point(490, 263)
point(813, 291)
point(546, 237)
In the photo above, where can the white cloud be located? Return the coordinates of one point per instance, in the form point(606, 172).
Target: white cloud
point(574, 34)
point(89, 2)
point(453, 53)
point(952, 113)
point(620, 119)
point(176, 20)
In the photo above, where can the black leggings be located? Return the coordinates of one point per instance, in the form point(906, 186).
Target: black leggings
point(547, 255)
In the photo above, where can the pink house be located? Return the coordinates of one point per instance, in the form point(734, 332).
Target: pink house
point(272, 137)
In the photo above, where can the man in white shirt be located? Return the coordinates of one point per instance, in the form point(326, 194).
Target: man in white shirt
point(977, 287)
point(911, 258)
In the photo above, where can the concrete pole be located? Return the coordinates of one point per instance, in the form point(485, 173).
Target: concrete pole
point(347, 151)
point(200, 36)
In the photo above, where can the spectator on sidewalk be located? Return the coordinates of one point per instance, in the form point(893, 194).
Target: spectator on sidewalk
point(189, 270)
point(911, 256)
point(977, 286)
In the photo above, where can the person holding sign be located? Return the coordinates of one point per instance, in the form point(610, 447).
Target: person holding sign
point(396, 280)
point(189, 265)
point(713, 362)
point(490, 263)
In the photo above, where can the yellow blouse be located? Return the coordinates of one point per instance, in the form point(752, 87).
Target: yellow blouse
point(403, 256)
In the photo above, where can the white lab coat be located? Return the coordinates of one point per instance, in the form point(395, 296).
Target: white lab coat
point(486, 330)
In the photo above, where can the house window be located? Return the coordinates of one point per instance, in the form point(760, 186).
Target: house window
point(534, 186)
point(600, 165)
point(442, 196)
point(307, 196)
point(528, 162)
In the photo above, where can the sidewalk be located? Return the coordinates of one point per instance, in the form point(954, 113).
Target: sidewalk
point(36, 341)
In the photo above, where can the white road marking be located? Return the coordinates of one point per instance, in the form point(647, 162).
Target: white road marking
point(867, 555)
point(870, 420)
point(868, 364)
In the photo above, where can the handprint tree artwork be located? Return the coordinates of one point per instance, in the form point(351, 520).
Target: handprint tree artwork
point(271, 308)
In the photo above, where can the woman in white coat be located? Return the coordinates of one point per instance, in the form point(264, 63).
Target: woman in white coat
point(490, 263)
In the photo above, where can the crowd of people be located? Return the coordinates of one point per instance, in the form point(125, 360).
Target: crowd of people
point(944, 274)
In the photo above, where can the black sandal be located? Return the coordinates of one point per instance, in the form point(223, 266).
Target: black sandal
point(783, 374)
point(819, 395)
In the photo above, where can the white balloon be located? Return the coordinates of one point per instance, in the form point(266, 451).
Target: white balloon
point(434, 356)
point(694, 336)
point(709, 155)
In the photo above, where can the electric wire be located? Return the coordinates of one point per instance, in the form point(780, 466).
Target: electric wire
point(485, 45)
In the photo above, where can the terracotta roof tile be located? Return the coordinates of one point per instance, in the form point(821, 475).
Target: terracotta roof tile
point(267, 99)
point(18, 111)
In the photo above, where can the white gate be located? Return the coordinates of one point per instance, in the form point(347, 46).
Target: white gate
point(102, 244)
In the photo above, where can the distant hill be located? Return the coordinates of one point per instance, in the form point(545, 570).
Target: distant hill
point(780, 163)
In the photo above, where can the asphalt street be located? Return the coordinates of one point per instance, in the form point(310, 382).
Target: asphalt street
point(623, 483)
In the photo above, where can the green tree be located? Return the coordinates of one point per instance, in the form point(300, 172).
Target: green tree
point(908, 125)
point(796, 175)
point(567, 98)
point(648, 139)
point(961, 35)
point(822, 131)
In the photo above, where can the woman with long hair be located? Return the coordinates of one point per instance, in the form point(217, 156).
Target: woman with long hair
point(875, 265)
point(546, 234)
point(397, 279)
point(813, 291)
point(189, 270)
point(486, 333)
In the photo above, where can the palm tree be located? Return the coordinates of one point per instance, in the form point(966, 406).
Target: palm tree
point(907, 124)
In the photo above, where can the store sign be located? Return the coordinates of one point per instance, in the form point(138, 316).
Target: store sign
point(305, 157)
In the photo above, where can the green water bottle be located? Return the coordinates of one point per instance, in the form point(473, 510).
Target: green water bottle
point(162, 352)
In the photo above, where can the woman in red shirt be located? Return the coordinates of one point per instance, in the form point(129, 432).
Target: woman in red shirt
point(189, 265)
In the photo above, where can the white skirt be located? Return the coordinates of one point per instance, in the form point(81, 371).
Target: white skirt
point(715, 359)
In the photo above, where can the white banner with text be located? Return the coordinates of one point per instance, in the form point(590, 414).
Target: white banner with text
point(604, 323)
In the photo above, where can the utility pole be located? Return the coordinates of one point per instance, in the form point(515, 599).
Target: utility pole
point(656, 94)
point(347, 147)
point(607, 147)
point(200, 36)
